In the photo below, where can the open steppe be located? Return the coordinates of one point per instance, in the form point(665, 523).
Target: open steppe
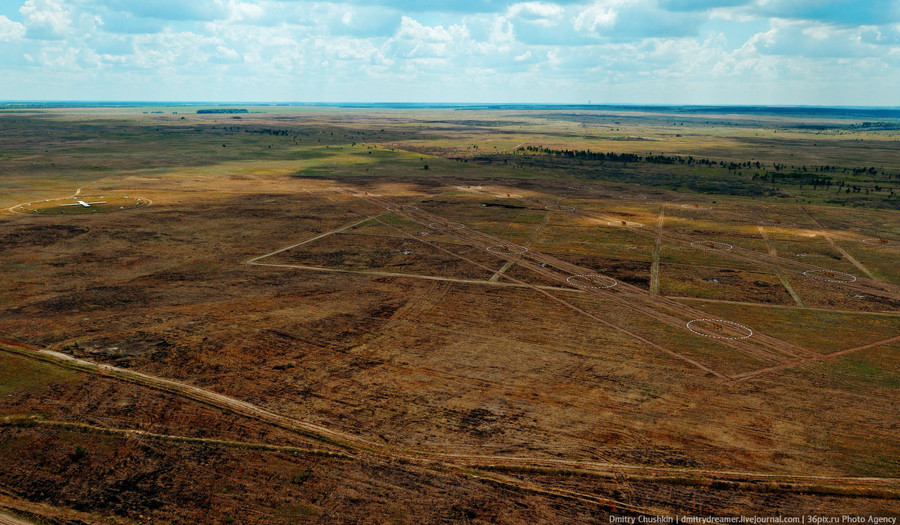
point(436, 315)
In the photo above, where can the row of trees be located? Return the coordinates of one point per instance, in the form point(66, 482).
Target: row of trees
point(691, 161)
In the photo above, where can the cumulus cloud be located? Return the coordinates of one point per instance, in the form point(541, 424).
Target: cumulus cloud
point(552, 50)
point(9, 30)
point(46, 19)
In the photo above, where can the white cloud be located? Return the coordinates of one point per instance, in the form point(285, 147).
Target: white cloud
point(539, 13)
point(639, 50)
point(46, 19)
point(9, 30)
point(595, 17)
point(415, 40)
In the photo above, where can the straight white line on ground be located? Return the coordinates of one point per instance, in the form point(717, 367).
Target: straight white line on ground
point(377, 273)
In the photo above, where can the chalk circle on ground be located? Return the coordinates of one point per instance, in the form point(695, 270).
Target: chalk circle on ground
point(633, 197)
point(719, 329)
point(81, 205)
point(559, 207)
point(508, 195)
point(782, 224)
point(404, 207)
point(507, 248)
point(367, 195)
point(448, 225)
point(695, 207)
point(830, 276)
point(884, 243)
point(625, 224)
point(591, 280)
point(712, 245)
point(469, 188)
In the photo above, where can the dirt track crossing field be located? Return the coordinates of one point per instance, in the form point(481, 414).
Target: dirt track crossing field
point(345, 442)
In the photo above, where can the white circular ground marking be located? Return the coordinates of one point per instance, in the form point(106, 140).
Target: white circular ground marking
point(633, 197)
point(404, 207)
point(449, 225)
point(591, 280)
point(696, 207)
point(625, 224)
point(559, 207)
point(72, 201)
point(712, 245)
point(885, 243)
point(507, 248)
point(508, 195)
point(830, 276)
point(716, 326)
point(469, 187)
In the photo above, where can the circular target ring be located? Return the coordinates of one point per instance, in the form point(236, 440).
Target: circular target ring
point(591, 280)
point(712, 245)
point(719, 329)
point(830, 276)
point(507, 249)
point(448, 225)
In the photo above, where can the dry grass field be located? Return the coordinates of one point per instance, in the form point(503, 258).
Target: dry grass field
point(408, 316)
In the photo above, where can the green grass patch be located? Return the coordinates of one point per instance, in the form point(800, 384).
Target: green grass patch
point(18, 374)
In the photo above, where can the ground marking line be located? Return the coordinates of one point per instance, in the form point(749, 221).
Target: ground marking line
point(316, 238)
point(835, 245)
point(774, 253)
point(377, 273)
point(767, 305)
point(756, 373)
point(508, 264)
point(654, 266)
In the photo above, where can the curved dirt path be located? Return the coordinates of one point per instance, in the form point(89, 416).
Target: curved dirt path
point(347, 441)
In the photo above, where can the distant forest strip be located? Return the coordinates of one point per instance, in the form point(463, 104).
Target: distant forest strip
point(221, 110)
point(856, 186)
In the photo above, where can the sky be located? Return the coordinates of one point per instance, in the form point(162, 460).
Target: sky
point(779, 52)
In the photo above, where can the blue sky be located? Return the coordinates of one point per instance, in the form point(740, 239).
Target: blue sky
point(827, 52)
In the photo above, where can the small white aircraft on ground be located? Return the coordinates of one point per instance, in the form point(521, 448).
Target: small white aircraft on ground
point(85, 204)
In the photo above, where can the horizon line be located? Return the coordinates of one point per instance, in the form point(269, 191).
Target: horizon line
point(409, 103)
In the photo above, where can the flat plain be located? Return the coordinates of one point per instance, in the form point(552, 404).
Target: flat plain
point(430, 315)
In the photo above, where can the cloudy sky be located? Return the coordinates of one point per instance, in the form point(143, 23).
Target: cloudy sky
point(828, 52)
